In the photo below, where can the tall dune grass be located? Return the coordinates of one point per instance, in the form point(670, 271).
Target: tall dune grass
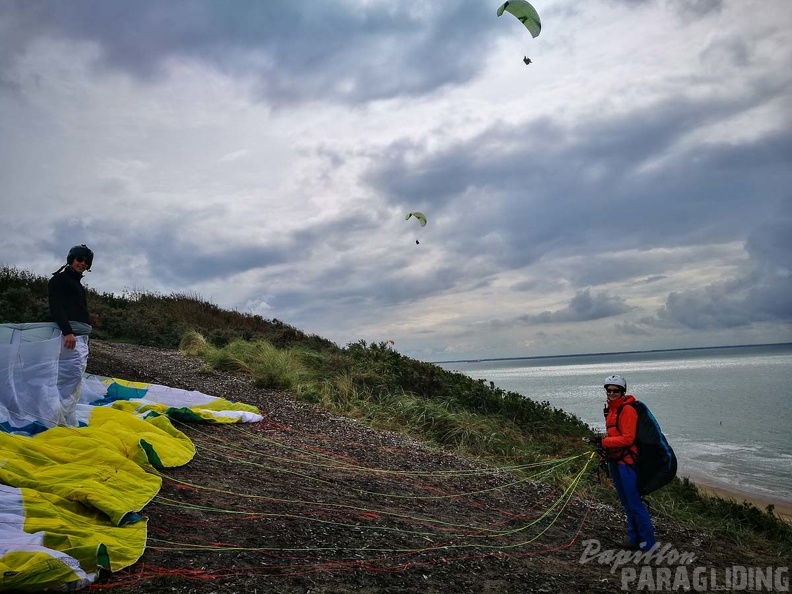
point(454, 412)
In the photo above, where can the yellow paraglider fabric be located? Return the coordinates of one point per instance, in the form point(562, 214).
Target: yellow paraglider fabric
point(78, 459)
point(102, 466)
point(153, 399)
point(70, 496)
point(79, 532)
point(36, 568)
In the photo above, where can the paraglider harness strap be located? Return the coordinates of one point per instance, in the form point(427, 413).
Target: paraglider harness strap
point(625, 452)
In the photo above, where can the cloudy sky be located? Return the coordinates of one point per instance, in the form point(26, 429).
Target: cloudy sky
point(630, 189)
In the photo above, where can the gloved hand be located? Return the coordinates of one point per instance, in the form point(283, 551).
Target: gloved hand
point(595, 441)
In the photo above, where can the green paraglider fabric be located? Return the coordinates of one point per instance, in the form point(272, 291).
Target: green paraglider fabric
point(525, 13)
point(418, 215)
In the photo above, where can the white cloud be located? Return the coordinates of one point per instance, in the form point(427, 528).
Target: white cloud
point(233, 156)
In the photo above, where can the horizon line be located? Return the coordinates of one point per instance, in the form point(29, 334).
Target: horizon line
point(732, 346)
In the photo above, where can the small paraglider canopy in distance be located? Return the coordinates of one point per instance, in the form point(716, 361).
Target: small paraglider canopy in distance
point(525, 13)
point(419, 216)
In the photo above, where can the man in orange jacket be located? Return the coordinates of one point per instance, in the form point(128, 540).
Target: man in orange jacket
point(621, 452)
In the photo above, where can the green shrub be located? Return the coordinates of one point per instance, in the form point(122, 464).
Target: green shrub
point(150, 319)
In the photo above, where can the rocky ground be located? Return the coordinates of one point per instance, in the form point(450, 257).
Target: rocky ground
point(309, 502)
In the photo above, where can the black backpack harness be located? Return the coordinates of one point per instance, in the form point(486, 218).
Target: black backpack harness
point(656, 463)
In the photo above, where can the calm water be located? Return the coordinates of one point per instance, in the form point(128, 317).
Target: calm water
point(726, 412)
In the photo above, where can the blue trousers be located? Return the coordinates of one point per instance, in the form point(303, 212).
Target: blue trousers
point(639, 524)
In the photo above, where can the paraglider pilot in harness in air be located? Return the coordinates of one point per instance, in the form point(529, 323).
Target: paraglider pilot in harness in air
point(525, 13)
point(621, 451)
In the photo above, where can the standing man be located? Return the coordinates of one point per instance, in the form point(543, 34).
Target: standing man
point(621, 453)
point(68, 304)
point(67, 298)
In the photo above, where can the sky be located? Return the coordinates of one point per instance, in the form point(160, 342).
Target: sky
point(630, 189)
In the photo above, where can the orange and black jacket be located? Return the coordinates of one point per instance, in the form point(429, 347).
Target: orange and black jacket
point(619, 443)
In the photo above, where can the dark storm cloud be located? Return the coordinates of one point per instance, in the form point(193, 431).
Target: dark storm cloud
point(173, 257)
point(582, 307)
point(616, 183)
point(652, 279)
point(759, 294)
point(296, 51)
point(196, 260)
point(188, 262)
point(341, 288)
point(770, 246)
point(726, 52)
point(610, 269)
point(183, 258)
point(66, 234)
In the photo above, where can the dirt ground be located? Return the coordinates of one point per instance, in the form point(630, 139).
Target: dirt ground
point(308, 502)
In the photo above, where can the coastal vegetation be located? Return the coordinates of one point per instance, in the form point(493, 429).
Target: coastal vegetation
point(375, 384)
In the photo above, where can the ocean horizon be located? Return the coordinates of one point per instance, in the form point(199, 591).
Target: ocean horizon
point(725, 410)
point(608, 353)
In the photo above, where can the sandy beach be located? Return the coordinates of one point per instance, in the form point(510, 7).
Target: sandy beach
point(708, 487)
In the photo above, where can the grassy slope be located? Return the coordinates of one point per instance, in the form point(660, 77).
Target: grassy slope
point(376, 384)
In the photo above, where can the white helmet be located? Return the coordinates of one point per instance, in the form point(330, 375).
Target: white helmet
point(616, 380)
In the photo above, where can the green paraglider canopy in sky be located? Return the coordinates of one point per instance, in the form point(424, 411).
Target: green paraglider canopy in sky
point(525, 13)
point(418, 215)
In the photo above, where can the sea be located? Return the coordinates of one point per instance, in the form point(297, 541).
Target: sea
point(726, 411)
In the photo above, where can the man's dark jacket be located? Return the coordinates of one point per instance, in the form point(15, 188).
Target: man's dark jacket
point(67, 299)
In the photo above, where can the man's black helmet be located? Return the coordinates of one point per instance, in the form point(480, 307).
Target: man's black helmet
point(80, 251)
